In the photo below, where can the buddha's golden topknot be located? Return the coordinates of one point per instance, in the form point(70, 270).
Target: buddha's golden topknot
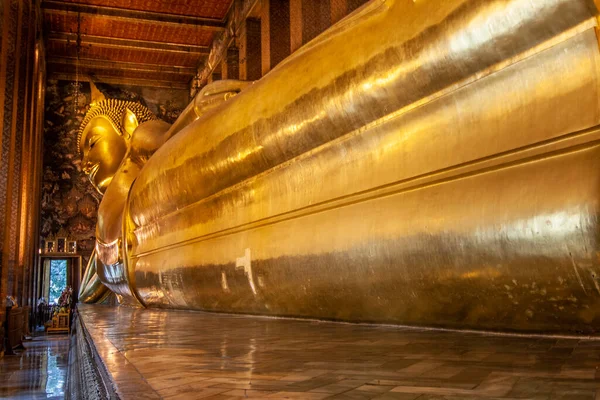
point(114, 110)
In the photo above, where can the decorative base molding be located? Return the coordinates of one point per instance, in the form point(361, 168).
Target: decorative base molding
point(87, 376)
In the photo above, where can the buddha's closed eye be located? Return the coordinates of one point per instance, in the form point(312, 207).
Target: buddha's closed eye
point(93, 141)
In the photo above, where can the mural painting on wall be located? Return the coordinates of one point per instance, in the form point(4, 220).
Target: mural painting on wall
point(68, 199)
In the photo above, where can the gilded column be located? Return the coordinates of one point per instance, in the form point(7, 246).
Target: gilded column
point(16, 134)
point(10, 37)
point(25, 209)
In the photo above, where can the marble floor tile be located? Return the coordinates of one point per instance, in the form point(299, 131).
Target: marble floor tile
point(38, 372)
point(191, 355)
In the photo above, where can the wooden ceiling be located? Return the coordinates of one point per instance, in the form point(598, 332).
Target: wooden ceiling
point(159, 43)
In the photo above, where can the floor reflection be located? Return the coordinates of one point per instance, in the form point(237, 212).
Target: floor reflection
point(39, 372)
point(153, 354)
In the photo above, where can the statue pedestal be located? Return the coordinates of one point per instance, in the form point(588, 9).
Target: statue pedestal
point(60, 323)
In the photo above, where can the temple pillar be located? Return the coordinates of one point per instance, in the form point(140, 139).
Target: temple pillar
point(339, 9)
point(217, 74)
point(20, 149)
point(10, 79)
point(309, 18)
point(25, 189)
point(354, 4)
point(250, 52)
point(230, 67)
point(316, 18)
point(223, 67)
point(296, 24)
point(275, 33)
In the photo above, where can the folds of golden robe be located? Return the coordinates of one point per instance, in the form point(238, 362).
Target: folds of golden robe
point(423, 162)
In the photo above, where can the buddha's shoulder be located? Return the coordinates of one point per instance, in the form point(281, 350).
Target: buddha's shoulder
point(149, 136)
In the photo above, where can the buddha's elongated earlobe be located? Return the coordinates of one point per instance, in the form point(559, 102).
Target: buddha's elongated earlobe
point(130, 122)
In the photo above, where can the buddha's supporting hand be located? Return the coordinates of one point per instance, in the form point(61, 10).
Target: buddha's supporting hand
point(91, 289)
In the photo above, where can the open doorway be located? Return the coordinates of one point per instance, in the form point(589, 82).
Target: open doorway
point(58, 272)
point(57, 280)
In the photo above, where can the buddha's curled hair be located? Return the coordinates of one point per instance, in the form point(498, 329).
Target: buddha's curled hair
point(114, 110)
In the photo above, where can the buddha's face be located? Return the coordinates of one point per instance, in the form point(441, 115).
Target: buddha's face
point(103, 149)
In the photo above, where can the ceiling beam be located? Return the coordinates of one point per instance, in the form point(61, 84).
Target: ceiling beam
point(111, 80)
point(126, 66)
point(129, 44)
point(57, 6)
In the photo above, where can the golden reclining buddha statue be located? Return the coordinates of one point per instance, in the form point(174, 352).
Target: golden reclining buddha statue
point(429, 163)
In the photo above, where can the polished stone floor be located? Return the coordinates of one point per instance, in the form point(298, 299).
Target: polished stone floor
point(39, 372)
point(192, 355)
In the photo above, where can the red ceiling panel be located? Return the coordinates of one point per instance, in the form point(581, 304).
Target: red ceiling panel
point(118, 28)
point(194, 8)
point(61, 49)
point(134, 29)
point(156, 76)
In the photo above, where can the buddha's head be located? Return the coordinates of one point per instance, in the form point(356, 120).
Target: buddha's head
point(104, 137)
